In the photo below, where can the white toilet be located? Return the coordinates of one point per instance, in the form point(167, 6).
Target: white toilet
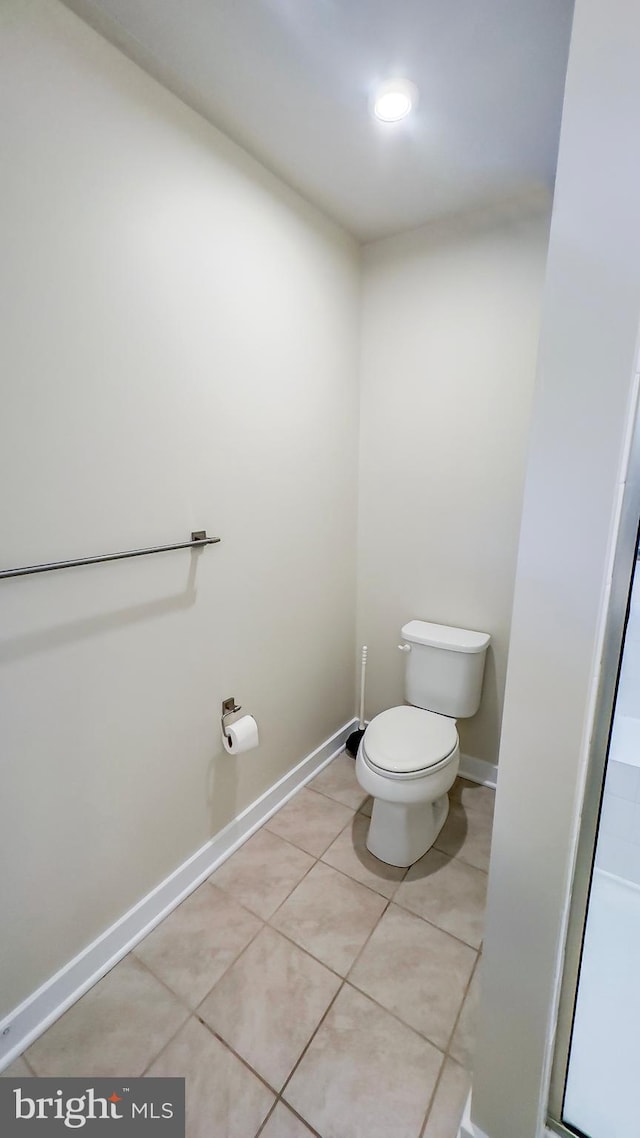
point(409, 756)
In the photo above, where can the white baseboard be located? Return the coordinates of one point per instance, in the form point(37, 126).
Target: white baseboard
point(479, 770)
point(467, 1128)
point(35, 1014)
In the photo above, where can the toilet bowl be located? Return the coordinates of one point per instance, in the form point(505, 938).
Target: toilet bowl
point(409, 756)
point(407, 760)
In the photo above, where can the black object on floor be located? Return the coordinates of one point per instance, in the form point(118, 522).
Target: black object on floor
point(353, 742)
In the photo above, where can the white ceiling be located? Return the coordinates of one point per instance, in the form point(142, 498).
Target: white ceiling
point(290, 80)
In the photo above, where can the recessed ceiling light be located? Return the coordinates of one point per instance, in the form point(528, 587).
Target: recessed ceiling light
point(394, 99)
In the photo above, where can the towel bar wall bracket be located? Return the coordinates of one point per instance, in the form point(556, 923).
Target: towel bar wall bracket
point(197, 541)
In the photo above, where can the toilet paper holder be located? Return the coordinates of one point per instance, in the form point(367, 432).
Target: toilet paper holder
point(229, 707)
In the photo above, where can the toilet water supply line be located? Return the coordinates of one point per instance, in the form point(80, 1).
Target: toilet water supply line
point(353, 742)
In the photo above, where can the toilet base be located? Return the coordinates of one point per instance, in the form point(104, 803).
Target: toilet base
point(400, 834)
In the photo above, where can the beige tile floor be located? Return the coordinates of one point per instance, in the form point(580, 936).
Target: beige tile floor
point(306, 988)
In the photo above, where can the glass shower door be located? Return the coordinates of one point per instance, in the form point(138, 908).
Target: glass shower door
point(602, 1085)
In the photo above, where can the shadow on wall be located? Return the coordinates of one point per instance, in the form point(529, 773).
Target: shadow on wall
point(48, 639)
point(223, 786)
point(511, 208)
point(480, 735)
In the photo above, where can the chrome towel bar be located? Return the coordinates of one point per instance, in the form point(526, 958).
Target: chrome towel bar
point(198, 540)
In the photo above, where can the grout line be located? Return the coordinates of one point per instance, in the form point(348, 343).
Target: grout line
point(447, 1059)
point(453, 857)
point(310, 1040)
point(359, 954)
point(239, 1057)
point(331, 797)
point(466, 993)
point(297, 1115)
point(231, 964)
point(396, 1017)
point(474, 812)
point(405, 909)
point(461, 860)
point(432, 1098)
point(181, 1000)
point(287, 1106)
point(356, 881)
point(164, 1047)
point(292, 890)
point(268, 1116)
point(272, 834)
point(176, 995)
point(349, 822)
point(354, 814)
point(301, 948)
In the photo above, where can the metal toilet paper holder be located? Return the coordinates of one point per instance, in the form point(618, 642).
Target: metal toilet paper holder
point(229, 707)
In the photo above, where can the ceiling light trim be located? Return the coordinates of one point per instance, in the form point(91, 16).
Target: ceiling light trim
point(394, 100)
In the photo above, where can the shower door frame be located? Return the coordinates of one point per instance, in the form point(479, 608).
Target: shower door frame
point(617, 615)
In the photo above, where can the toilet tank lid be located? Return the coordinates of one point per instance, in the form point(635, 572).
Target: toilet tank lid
point(442, 636)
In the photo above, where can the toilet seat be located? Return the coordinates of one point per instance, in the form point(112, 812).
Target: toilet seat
point(405, 742)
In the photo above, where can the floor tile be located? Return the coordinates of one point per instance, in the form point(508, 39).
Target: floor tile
point(330, 915)
point(473, 797)
point(284, 1124)
point(364, 1074)
point(447, 1108)
point(262, 873)
point(416, 971)
point(466, 834)
point(339, 781)
point(223, 1097)
point(447, 892)
point(349, 854)
point(197, 942)
point(367, 807)
point(117, 1028)
point(310, 820)
point(464, 1037)
point(17, 1070)
point(269, 1003)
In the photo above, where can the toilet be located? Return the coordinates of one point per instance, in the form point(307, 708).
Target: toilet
point(409, 756)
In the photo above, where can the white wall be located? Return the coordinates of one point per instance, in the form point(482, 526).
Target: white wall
point(179, 351)
point(589, 332)
point(450, 331)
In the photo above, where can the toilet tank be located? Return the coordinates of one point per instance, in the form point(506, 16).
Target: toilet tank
point(444, 667)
